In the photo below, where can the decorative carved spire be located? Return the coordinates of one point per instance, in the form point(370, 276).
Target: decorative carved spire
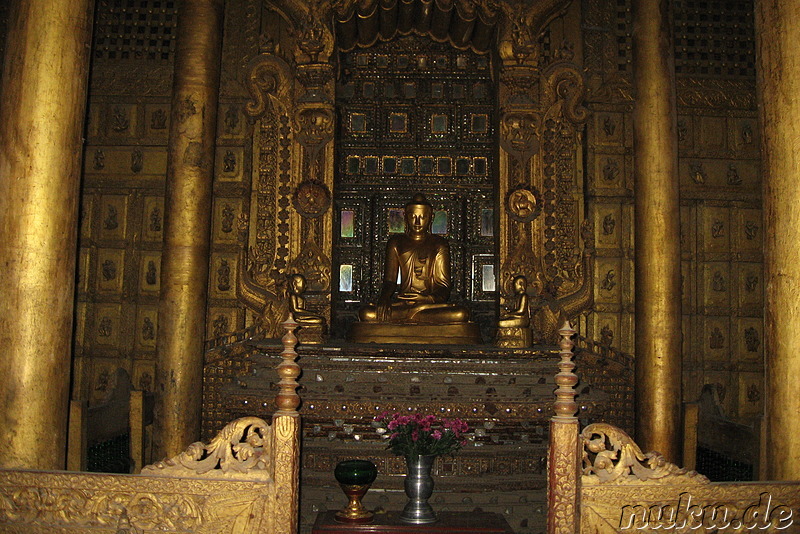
point(565, 405)
point(287, 399)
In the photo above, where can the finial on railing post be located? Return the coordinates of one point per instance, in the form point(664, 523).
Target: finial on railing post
point(287, 398)
point(565, 405)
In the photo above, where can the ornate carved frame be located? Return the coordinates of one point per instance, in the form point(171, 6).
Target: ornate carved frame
point(541, 120)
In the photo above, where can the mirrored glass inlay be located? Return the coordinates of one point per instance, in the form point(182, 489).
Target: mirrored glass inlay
point(439, 222)
point(396, 217)
point(487, 222)
point(397, 123)
point(345, 278)
point(358, 122)
point(479, 123)
point(426, 165)
point(369, 90)
point(439, 124)
point(347, 228)
point(352, 165)
point(406, 166)
point(480, 166)
point(487, 278)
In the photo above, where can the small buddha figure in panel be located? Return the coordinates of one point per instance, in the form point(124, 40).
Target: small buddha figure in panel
point(517, 315)
point(311, 325)
point(514, 326)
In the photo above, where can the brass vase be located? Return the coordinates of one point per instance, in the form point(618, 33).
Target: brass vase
point(355, 477)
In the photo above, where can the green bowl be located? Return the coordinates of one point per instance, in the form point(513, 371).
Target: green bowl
point(355, 472)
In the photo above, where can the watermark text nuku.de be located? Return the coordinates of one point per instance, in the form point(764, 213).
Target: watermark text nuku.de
point(761, 514)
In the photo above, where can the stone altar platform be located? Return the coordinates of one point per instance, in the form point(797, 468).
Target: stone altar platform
point(505, 395)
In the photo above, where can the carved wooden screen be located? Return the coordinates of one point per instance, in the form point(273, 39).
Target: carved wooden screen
point(415, 116)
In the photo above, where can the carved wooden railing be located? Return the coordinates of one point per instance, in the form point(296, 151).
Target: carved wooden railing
point(600, 482)
point(244, 481)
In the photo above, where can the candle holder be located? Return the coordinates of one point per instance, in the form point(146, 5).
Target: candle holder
point(355, 477)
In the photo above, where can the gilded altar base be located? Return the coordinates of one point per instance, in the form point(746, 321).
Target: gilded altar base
point(504, 395)
point(311, 334)
point(442, 334)
point(513, 337)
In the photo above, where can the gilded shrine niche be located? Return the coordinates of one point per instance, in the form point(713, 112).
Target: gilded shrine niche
point(466, 102)
point(415, 116)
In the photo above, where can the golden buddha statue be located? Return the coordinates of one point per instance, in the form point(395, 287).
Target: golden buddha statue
point(420, 313)
point(311, 325)
point(518, 315)
point(514, 326)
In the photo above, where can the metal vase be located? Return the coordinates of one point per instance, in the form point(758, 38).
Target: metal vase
point(419, 488)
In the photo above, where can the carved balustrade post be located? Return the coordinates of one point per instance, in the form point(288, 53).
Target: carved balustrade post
point(777, 34)
point(185, 256)
point(286, 422)
point(563, 457)
point(42, 112)
point(656, 233)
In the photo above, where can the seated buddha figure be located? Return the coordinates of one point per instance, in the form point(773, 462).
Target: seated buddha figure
point(297, 303)
point(311, 326)
point(517, 315)
point(513, 327)
point(422, 262)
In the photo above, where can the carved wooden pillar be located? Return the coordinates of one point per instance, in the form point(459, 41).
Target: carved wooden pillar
point(184, 270)
point(314, 121)
point(518, 190)
point(657, 233)
point(41, 122)
point(777, 35)
point(541, 115)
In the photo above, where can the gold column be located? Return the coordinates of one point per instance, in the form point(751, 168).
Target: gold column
point(185, 256)
point(777, 35)
point(45, 77)
point(657, 233)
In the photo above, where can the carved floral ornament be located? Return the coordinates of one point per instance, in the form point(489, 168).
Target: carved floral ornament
point(269, 81)
point(241, 447)
point(610, 456)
